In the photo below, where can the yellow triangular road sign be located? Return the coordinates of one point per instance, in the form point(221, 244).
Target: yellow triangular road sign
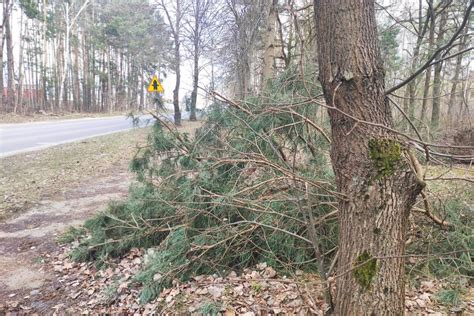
point(155, 85)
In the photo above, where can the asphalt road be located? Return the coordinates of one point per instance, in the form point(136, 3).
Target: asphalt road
point(24, 137)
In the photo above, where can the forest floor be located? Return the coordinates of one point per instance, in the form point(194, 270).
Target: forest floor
point(7, 118)
point(48, 191)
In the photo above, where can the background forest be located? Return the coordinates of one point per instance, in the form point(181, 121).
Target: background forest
point(99, 56)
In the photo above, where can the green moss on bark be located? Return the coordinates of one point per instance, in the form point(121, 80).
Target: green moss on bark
point(386, 154)
point(365, 268)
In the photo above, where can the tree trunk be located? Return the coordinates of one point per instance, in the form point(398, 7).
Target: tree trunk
point(44, 63)
point(426, 88)
point(269, 54)
point(437, 73)
point(142, 90)
point(457, 71)
point(63, 86)
point(19, 97)
point(86, 83)
point(196, 52)
point(110, 103)
point(10, 62)
point(93, 73)
point(2, 22)
point(416, 54)
point(37, 71)
point(368, 162)
point(177, 64)
point(59, 71)
point(192, 115)
point(75, 75)
point(177, 112)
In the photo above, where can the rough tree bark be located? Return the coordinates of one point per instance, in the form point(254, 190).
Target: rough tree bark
point(369, 163)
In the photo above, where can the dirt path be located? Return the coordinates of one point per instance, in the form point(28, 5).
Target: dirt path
point(26, 241)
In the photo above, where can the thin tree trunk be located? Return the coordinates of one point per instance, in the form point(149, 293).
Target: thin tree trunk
point(177, 111)
point(142, 90)
point(269, 54)
point(177, 61)
point(110, 103)
point(93, 81)
point(370, 168)
point(437, 73)
point(416, 54)
point(31, 105)
point(2, 22)
point(426, 88)
point(86, 93)
point(10, 62)
point(75, 76)
point(65, 56)
point(176, 32)
point(37, 72)
point(44, 99)
point(103, 81)
point(455, 80)
point(19, 98)
point(57, 74)
point(196, 52)
point(464, 110)
point(192, 116)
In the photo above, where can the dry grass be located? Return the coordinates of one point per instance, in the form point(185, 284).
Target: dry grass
point(450, 181)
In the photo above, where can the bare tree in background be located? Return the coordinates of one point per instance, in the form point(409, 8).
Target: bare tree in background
point(270, 45)
point(10, 100)
point(453, 97)
point(175, 23)
point(2, 27)
point(248, 17)
point(437, 71)
point(201, 19)
point(431, 16)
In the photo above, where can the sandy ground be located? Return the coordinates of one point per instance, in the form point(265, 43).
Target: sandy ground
point(26, 239)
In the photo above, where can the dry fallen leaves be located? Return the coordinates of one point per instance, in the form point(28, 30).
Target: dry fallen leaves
point(80, 288)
